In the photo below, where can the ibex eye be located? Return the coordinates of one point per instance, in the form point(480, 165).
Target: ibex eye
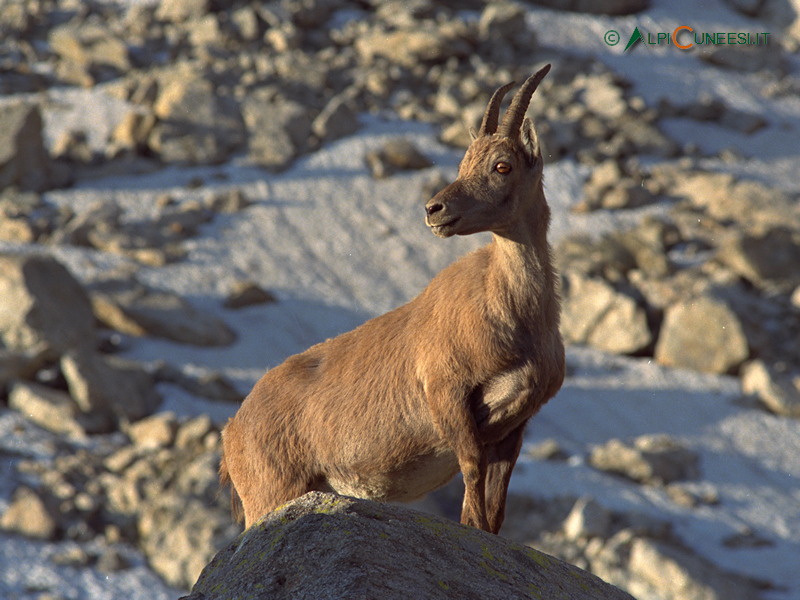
point(502, 168)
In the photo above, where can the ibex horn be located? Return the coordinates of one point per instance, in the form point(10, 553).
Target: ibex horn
point(489, 123)
point(512, 120)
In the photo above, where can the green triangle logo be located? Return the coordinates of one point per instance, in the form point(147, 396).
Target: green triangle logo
point(636, 36)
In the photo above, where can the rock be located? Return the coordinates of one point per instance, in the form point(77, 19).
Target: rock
point(278, 129)
point(594, 313)
point(652, 459)
point(603, 97)
point(93, 49)
point(20, 365)
point(607, 258)
point(755, 206)
point(195, 124)
point(27, 217)
point(180, 536)
point(27, 515)
point(155, 431)
point(134, 309)
point(181, 10)
point(675, 573)
point(587, 519)
point(132, 132)
point(336, 120)
point(778, 391)
point(768, 259)
point(502, 30)
point(322, 545)
point(41, 303)
point(548, 449)
point(109, 389)
point(194, 433)
point(230, 201)
point(24, 161)
point(212, 385)
point(247, 293)
point(603, 7)
point(703, 334)
point(409, 47)
point(82, 228)
point(398, 154)
point(49, 408)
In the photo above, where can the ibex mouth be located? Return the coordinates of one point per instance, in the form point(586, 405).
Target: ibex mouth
point(443, 229)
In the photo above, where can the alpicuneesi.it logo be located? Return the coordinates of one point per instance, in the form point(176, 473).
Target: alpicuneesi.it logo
point(685, 37)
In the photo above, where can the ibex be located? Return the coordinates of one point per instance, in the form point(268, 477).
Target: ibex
point(395, 408)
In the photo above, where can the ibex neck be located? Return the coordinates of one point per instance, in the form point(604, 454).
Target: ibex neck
point(521, 279)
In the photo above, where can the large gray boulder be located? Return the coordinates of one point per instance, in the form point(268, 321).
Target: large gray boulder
point(42, 305)
point(24, 161)
point(324, 546)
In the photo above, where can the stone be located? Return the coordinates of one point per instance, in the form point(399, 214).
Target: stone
point(181, 10)
point(211, 384)
point(155, 431)
point(132, 132)
point(607, 258)
point(247, 293)
point(90, 46)
point(409, 47)
point(278, 129)
point(194, 432)
point(327, 546)
point(767, 259)
point(42, 304)
point(24, 161)
point(398, 154)
point(338, 119)
point(180, 536)
point(676, 573)
point(651, 459)
point(587, 519)
point(778, 391)
point(195, 124)
point(603, 97)
point(110, 389)
point(703, 334)
point(548, 449)
point(229, 201)
point(16, 364)
point(49, 408)
point(27, 515)
point(594, 313)
point(141, 311)
point(27, 217)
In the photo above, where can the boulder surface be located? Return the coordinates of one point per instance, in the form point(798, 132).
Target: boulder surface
point(327, 546)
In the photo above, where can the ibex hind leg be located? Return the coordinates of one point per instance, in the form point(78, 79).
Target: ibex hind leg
point(261, 478)
point(268, 492)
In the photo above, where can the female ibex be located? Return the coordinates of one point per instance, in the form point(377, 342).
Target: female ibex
point(396, 407)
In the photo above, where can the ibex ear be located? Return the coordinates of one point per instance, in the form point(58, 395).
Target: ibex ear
point(530, 141)
point(473, 133)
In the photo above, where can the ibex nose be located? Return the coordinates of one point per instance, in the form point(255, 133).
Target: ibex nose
point(433, 207)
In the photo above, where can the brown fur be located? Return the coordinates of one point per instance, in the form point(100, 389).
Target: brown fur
point(396, 407)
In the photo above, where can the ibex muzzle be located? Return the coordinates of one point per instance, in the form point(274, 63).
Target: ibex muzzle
point(447, 382)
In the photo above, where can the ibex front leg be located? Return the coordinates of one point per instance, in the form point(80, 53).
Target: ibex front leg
point(456, 424)
point(501, 458)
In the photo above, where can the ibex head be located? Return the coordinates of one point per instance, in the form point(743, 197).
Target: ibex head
point(500, 169)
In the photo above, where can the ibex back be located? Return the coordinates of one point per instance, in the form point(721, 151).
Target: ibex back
point(396, 407)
